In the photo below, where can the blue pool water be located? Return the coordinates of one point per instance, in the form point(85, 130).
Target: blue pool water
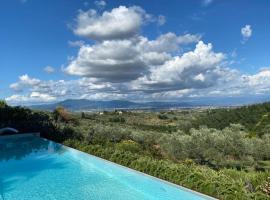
point(32, 168)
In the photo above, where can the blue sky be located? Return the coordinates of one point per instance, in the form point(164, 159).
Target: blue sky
point(137, 50)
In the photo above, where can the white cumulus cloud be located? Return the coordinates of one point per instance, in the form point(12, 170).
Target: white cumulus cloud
point(194, 69)
point(34, 97)
point(119, 23)
point(24, 81)
point(127, 59)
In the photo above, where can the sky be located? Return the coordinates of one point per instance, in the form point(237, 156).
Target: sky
point(188, 50)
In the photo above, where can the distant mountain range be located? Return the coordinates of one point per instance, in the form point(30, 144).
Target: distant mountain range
point(88, 105)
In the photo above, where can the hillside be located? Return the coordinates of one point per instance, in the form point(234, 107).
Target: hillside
point(228, 159)
point(254, 117)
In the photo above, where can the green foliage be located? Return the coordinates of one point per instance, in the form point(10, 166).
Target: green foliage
point(102, 134)
point(25, 120)
point(222, 152)
point(117, 119)
point(28, 121)
point(230, 147)
point(129, 145)
point(253, 117)
point(83, 115)
point(163, 117)
point(3, 104)
point(157, 127)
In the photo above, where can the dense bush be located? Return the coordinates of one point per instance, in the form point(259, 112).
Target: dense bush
point(162, 116)
point(29, 121)
point(100, 134)
point(25, 120)
point(117, 119)
point(230, 147)
point(129, 145)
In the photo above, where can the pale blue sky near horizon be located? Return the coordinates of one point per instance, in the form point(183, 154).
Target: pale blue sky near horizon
point(37, 34)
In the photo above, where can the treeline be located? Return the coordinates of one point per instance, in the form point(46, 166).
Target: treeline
point(255, 118)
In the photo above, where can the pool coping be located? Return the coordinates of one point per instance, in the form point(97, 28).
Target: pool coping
point(20, 135)
point(141, 173)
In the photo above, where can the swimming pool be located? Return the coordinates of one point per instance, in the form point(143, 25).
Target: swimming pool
point(32, 168)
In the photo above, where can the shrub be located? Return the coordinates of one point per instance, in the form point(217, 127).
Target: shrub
point(163, 117)
point(62, 115)
point(117, 119)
